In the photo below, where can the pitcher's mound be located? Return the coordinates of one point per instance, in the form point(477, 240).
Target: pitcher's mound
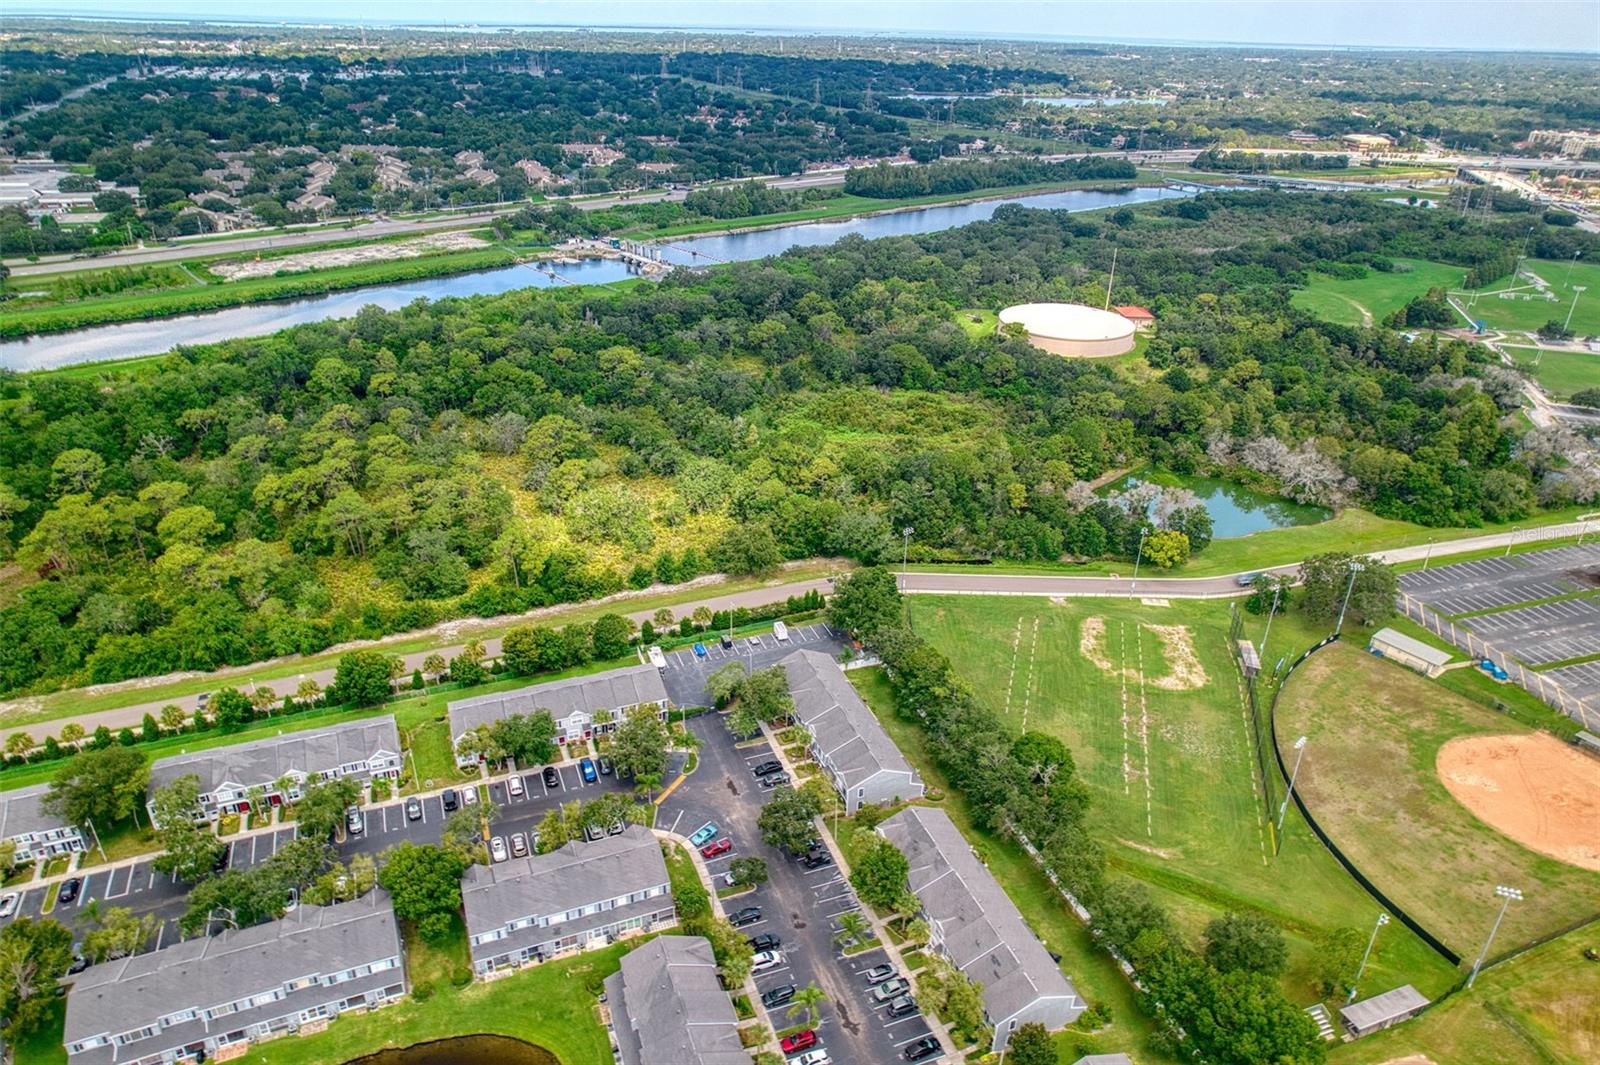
point(1531, 788)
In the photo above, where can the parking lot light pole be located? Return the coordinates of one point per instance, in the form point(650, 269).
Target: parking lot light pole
point(1510, 895)
point(1283, 807)
point(1355, 568)
point(1514, 530)
point(101, 847)
point(905, 554)
point(1277, 589)
point(1137, 558)
point(1383, 919)
point(1427, 556)
point(1575, 290)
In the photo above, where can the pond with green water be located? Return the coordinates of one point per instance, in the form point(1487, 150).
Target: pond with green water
point(463, 1050)
point(1234, 509)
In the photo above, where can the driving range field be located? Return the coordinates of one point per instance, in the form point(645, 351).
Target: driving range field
point(1366, 301)
point(1153, 708)
point(1518, 305)
point(1560, 373)
point(1438, 799)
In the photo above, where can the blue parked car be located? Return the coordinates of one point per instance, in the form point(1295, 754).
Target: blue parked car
point(699, 650)
point(704, 833)
point(587, 768)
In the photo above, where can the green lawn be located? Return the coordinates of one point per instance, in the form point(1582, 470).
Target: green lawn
point(43, 1046)
point(1515, 313)
point(1369, 776)
point(1171, 768)
point(1537, 1007)
point(1560, 373)
point(976, 322)
point(1377, 295)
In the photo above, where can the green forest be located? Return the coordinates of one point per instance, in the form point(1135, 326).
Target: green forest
point(351, 478)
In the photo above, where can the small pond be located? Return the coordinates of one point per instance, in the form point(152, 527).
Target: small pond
point(463, 1050)
point(1235, 510)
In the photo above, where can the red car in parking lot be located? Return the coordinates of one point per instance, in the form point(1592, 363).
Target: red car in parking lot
point(721, 846)
point(799, 1041)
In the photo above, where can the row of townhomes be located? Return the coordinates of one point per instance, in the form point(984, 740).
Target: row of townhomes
point(39, 836)
point(277, 768)
point(195, 999)
point(529, 910)
point(846, 739)
point(574, 703)
point(974, 924)
point(669, 1008)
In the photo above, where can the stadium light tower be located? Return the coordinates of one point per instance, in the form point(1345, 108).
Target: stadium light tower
point(1510, 895)
point(1383, 919)
point(1283, 807)
point(1355, 568)
point(1575, 290)
point(1137, 558)
point(905, 554)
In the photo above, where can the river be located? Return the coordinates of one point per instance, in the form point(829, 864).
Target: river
point(126, 340)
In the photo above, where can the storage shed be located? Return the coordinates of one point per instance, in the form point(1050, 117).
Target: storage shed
point(1409, 652)
point(1382, 1011)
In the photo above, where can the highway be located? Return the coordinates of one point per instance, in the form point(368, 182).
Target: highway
point(973, 582)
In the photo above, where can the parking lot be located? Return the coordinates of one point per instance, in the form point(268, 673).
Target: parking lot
point(1544, 632)
point(800, 906)
point(1496, 583)
point(685, 674)
point(1582, 680)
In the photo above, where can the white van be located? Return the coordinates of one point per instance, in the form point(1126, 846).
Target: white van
point(657, 659)
point(780, 632)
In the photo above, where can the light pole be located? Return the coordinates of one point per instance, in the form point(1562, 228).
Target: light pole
point(905, 554)
point(1575, 290)
point(93, 832)
point(1137, 558)
point(1283, 808)
point(1277, 589)
point(1514, 530)
point(1427, 556)
point(1510, 895)
point(1568, 279)
point(1383, 919)
point(1355, 568)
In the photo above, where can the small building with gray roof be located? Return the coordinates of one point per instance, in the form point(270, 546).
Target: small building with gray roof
point(195, 998)
point(669, 1008)
point(282, 765)
point(529, 910)
point(846, 739)
point(573, 703)
point(1382, 1011)
point(37, 834)
point(1409, 652)
point(977, 928)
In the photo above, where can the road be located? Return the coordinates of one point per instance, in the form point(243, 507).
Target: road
point(974, 582)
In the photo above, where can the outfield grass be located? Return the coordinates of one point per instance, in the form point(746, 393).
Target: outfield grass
point(1527, 315)
point(1368, 300)
point(1538, 1007)
point(1172, 772)
point(1560, 373)
point(1375, 730)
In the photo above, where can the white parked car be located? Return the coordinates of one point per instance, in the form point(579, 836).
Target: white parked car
point(497, 849)
point(812, 1057)
point(780, 632)
point(515, 787)
point(8, 905)
point(469, 796)
point(767, 959)
point(657, 659)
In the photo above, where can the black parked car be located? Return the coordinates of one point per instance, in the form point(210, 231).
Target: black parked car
point(778, 996)
point(552, 779)
point(765, 941)
point(926, 1047)
point(605, 765)
point(771, 765)
point(816, 859)
point(451, 799)
point(727, 642)
point(69, 890)
point(748, 915)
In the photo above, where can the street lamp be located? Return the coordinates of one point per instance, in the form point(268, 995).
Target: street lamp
point(1427, 556)
point(1137, 558)
point(1510, 895)
point(905, 554)
point(1514, 530)
point(1575, 290)
point(1277, 589)
point(1355, 568)
point(1383, 919)
point(1283, 808)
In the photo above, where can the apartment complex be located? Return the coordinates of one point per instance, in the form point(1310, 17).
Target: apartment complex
point(278, 768)
point(669, 1008)
point(846, 739)
point(194, 999)
point(574, 703)
point(976, 926)
point(529, 910)
point(38, 835)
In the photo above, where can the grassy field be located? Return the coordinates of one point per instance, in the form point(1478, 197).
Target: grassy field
point(1560, 373)
point(1169, 760)
point(1513, 313)
point(1538, 1007)
point(1375, 790)
point(976, 322)
point(1368, 300)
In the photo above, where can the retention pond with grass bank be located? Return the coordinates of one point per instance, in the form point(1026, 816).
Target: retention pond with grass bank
point(132, 339)
point(1234, 509)
point(463, 1050)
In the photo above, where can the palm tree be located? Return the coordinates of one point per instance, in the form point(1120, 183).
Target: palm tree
point(172, 718)
point(853, 928)
point(702, 616)
point(263, 699)
point(397, 669)
point(433, 665)
point(72, 732)
point(19, 744)
point(810, 999)
point(473, 650)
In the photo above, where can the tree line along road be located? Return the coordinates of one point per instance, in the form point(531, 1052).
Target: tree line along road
point(912, 582)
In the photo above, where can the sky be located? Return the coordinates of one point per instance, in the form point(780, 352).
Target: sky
point(1546, 25)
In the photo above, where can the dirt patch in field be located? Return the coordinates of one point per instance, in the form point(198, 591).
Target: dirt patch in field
point(432, 244)
point(1533, 789)
point(1092, 644)
point(1184, 671)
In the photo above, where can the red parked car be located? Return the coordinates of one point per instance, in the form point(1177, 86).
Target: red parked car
point(721, 846)
point(799, 1041)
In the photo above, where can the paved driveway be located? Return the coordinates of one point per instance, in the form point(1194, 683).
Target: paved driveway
point(800, 906)
point(685, 673)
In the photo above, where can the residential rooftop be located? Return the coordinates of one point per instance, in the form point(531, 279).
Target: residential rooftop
point(669, 1008)
point(311, 752)
point(611, 690)
point(840, 722)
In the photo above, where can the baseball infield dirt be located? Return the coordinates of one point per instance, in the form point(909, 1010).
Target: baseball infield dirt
point(1533, 789)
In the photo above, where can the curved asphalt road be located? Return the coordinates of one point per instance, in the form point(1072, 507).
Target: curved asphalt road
point(975, 582)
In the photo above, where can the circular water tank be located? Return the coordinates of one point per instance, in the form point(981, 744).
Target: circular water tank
point(1072, 329)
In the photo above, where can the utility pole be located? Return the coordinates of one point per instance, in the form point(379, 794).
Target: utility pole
point(1383, 919)
point(1575, 290)
point(1428, 555)
point(1355, 568)
point(905, 554)
point(1111, 277)
point(1514, 530)
point(1137, 558)
point(1277, 590)
point(1510, 895)
point(1283, 808)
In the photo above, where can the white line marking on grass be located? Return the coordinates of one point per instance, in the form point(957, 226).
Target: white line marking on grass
point(1027, 687)
point(1144, 737)
point(1255, 778)
point(1016, 644)
point(1127, 763)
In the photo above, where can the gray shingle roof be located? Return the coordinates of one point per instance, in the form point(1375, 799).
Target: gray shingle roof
point(984, 935)
point(667, 1007)
point(566, 878)
point(611, 690)
point(841, 724)
point(263, 761)
point(207, 971)
point(1400, 1002)
point(1411, 646)
point(22, 811)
